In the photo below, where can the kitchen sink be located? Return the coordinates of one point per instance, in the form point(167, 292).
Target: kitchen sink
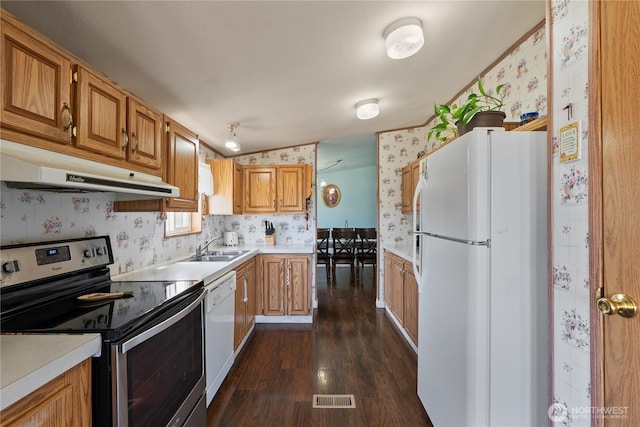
point(217, 256)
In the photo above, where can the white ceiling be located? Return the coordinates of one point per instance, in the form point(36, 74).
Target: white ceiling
point(289, 71)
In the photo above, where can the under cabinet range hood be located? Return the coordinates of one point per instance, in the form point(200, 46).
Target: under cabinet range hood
point(26, 167)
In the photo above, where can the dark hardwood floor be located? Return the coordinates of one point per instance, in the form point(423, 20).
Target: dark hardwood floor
point(351, 348)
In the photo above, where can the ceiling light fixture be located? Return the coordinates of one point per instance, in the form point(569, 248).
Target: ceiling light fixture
point(404, 38)
point(232, 141)
point(367, 109)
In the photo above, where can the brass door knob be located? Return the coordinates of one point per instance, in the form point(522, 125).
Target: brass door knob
point(620, 304)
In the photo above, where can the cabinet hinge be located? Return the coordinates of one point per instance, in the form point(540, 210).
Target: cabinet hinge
point(167, 127)
point(74, 76)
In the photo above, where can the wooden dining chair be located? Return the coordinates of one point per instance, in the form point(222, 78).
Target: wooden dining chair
point(344, 249)
point(323, 256)
point(367, 249)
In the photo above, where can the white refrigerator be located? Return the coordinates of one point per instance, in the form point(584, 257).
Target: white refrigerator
point(482, 274)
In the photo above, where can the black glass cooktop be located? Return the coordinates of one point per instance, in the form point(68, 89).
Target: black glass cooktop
point(111, 317)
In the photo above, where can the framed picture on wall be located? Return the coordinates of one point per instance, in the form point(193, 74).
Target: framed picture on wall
point(331, 196)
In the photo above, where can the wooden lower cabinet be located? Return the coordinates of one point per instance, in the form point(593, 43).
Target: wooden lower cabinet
point(285, 284)
point(63, 401)
point(245, 301)
point(401, 293)
point(410, 304)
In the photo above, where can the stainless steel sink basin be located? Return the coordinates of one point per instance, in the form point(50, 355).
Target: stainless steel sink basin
point(211, 258)
point(229, 252)
point(218, 256)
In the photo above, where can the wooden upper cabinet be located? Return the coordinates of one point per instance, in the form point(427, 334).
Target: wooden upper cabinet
point(102, 116)
point(275, 189)
point(36, 89)
point(182, 167)
point(407, 194)
point(260, 189)
point(410, 177)
point(291, 184)
point(145, 135)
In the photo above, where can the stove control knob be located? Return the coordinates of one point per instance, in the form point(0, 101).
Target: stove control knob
point(11, 266)
point(100, 251)
point(88, 253)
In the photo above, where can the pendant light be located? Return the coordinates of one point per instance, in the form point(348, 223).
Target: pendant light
point(232, 141)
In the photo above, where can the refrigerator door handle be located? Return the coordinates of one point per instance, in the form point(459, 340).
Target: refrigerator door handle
point(486, 243)
point(416, 193)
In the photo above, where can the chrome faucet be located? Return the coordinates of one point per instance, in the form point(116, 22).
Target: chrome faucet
point(202, 246)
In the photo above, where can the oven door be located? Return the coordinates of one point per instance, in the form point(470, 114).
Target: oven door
point(158, 372)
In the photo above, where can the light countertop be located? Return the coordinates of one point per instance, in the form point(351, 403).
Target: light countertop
point(180, 269)
point(31, 361)
point(405, 251)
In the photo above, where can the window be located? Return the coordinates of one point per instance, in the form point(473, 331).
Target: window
point(181, 223)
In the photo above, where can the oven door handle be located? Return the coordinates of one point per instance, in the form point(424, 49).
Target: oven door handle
point(151, 332)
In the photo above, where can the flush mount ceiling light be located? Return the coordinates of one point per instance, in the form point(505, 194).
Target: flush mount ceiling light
point(232, 141)
point(404, 38)
point(367, 109)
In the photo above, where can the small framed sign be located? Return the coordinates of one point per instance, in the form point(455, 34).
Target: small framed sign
point(569, 141)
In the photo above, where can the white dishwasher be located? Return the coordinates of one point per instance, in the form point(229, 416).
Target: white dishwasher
point(219, 327)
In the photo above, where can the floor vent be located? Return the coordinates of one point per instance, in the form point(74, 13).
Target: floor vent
point(333, 401)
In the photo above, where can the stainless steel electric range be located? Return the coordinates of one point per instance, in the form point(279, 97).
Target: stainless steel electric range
point(151, 368)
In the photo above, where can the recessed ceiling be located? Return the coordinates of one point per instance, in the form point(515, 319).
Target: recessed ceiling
point(290, 72)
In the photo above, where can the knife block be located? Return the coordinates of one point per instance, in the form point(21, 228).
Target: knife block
point(270, 239)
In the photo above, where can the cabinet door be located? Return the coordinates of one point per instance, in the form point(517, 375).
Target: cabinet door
point(291, 196)
point(250, 273)
point(182, 167)
point(410, 304)
point(297, 285)
point(239, 326)
point(145, 136)
point(273, 284)
point(102, 116)
point(260, 188)
point(388, 283)
point(407, 192)
point(36, 87)
point(63, 401)
point(396, 277)
point(238, 189)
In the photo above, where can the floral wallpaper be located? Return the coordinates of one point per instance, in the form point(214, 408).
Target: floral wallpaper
point(290, 229)
point(137, 238)
point(571, 329)
point(524, 74)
